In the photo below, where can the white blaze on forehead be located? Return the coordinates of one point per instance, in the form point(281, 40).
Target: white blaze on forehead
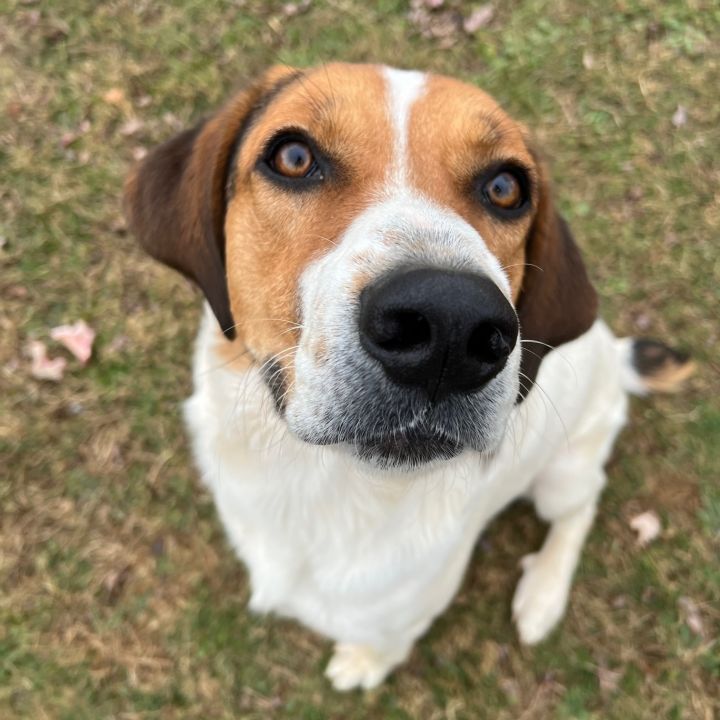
point(404, 87)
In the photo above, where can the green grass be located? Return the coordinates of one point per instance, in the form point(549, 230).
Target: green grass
point(96, 481)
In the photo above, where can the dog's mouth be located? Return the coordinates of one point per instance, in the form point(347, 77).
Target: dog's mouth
point(407, 449)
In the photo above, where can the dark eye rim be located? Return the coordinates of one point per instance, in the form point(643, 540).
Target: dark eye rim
point(319, 170)
point(520, 173)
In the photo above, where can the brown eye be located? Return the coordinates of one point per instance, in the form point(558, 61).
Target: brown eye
point(504, 191)
point(293, 160)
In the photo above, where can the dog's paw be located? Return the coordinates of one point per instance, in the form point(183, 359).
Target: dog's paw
point(540, 599)
point(354, 666)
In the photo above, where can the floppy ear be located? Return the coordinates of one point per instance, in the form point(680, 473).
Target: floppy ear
point(175, 200)
point(557, 301)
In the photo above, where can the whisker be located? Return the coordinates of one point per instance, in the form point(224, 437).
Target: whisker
point(552, 404)
point(523, 264)
point(555, 349)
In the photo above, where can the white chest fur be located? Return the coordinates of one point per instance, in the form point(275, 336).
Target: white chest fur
point(361, 555)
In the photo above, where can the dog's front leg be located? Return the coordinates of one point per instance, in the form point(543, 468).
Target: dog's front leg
point(365, 666)
point(542, 593)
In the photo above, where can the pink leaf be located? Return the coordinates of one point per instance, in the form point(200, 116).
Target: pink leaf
point(647, 526)
point(131, 127)
point(691, 611)
point(680, 116)
point(77, 338)
point(478, 18)
point(44, 368)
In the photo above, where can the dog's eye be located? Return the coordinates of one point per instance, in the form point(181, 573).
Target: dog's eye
point(504, 191)
point(293, 159)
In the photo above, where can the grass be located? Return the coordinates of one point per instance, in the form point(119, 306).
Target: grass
point(119, 597)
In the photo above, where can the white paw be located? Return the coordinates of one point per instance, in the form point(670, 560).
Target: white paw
point(540, 599)
point(355, 666)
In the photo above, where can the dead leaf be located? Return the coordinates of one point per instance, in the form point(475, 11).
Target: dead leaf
point(608, 679)
point(77, 338)
point(691, 613)
point(680, 117)
point(478, 18)
point(295, 8)
point(172, 121)
point(647, 526)
point(68, 138)
point(114, 583)
point(43, 367)
point(14, 109)
point(114, 96)
point(17, 292)
point(588, 60)
point(131, 127)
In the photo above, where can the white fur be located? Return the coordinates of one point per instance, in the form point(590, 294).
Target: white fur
point(369, 560)
point(404, 88)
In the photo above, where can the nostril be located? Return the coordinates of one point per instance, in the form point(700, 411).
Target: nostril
point(487, 344)
point(402, 331)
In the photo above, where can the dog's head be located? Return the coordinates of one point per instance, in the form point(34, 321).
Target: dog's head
point(378, 242)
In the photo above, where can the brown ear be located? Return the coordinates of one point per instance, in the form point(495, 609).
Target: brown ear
point(175, 200)
point(557, 301)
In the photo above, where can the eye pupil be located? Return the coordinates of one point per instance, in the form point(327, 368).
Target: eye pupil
point(296, 157)
point(504, 191)
point(293, 159)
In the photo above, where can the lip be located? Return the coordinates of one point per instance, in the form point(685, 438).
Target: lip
point(407, 448)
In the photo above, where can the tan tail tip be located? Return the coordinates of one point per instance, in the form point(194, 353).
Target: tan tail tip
point(661, 368)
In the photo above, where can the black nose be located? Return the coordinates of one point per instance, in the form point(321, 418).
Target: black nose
point(444, 331)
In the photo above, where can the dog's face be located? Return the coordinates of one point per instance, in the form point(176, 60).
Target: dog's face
point(376, 241)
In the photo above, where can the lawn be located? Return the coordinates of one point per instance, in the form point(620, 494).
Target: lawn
point(119, 596)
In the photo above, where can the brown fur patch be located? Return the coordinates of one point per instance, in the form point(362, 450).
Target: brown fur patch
point(274, 233)
point(455, 132)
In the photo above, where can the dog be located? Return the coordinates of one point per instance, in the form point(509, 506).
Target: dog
point(400, 338)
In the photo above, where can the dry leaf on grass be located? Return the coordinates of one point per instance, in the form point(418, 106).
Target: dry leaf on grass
point(647, 526)
point(295, 8)
point(691, 613)
point(478, 18)
point(680, 117)
point(588, 60)
point(77, 338)
point(608, 679)
point(442, 25)
point(43, 367)
point(114, 96)
point(131, 127)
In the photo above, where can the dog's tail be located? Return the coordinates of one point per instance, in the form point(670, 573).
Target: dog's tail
point(650, 366)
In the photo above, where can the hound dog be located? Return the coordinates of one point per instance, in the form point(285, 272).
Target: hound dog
point(376, 373)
